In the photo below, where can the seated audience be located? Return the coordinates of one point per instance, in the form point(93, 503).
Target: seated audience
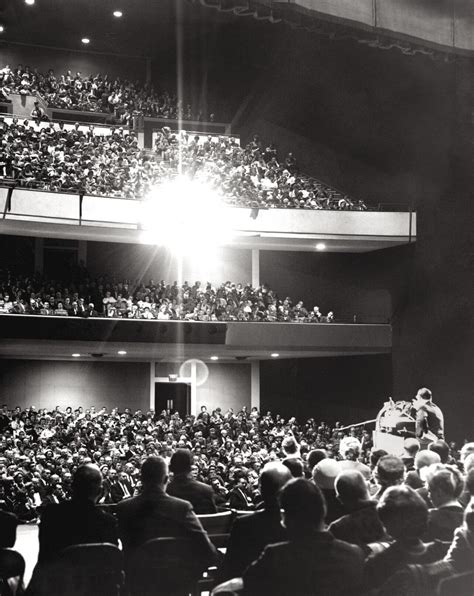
point(411, 447)
point(184, 486)
point(324, 476)
point(405, 517)
point(350, 450)
point(78, 520)
point(251, 533)
point(445, 485)
point(311, 561)
point(424, 458)
point(390, 471)
point(154, 514)
point(361, 525)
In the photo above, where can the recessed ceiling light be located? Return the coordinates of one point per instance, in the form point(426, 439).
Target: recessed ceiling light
point(85, 40)
point(214, 357)
point(274, 355)
point(117, 14)
point(76, 355)
point(122, 352)
point(30, 2)
point(320, 246)
point(2, 28)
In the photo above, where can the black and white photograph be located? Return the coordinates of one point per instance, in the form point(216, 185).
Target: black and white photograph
point(236, 298)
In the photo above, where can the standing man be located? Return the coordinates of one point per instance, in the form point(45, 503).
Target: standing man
point(429, 418)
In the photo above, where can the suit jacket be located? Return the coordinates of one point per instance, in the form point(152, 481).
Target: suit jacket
point(238, 500)
point(117, 492)
point(317, 564)
point(443, 521)
point(200, 495)
point(8, 525)
point(154, 514)
point(362, 526)
point(250, 534)
point(429, 420)
point(73, 522)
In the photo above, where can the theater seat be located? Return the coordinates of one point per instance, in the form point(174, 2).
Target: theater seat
point(164, 567)
point(12, 569)
point(218, 526)
point(84, 570)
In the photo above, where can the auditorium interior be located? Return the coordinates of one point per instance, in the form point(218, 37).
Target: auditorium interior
point(256, 209)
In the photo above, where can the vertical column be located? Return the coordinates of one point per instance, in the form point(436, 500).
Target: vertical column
point(193, 388)
point(255, 267)
point(152, 385)
point(82, 252)
point(39, 255)
point(255, 385)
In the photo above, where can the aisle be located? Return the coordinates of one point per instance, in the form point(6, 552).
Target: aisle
point(27, 544)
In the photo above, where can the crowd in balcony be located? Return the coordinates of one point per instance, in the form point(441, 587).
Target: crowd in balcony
point(96, 93)
point(150, 300)
point(367, 512)
point(58, 158)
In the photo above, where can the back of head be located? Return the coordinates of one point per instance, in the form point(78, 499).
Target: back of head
point(390, 470)
point(469, 482)
point(442, 449)
point(87, 482)
point(375, 455)
point(403, 513)
point(425, 457)
point(350, 448)
point(324, 474)
point(469, 463)
point(411, 446)
point(273, 477)
point(466, 450)
point(445, 483)
point(425, 393)
point(315, 456)
point(154, 471)
point(303, 504)
point(290, 446)
point(351, 487)
point(181, 461)
point(295, 466)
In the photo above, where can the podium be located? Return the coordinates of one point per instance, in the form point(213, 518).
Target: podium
point(392, 444)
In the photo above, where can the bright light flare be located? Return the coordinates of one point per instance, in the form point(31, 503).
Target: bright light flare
point(186, 216)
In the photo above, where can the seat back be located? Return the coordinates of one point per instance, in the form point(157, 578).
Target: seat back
point(218, 526)
point(12, 569)
point(85, 570)
point(461, 584)
point(164, 566)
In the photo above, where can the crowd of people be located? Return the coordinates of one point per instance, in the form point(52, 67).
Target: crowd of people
point(106, 297)
point(356, 514)
point(123, 99)
point(56, 157)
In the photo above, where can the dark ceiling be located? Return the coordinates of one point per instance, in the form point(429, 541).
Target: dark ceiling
point(146, 25)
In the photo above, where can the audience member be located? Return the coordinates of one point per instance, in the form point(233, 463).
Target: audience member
point(361, 525)
point(251, 533)
point(184, 486)
point(390, 471)
point(424, 458)
point(154, 514)
point(445, 485)
point(311, 561)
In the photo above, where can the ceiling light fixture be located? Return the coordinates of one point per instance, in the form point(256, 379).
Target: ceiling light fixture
point(117, 14)
point(320, 246)
point(2, 28)
point(121, 352)
point(274, 355)
point(30, 2)
point(214, 357)
point(76, 355)
point(85, 40)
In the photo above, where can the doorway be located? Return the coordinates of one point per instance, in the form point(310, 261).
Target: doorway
point(172, 396)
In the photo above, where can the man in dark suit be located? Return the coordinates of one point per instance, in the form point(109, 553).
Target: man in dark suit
point(251, 533)
point(154, 514)
point(312, 561)
point(183, 485)
point(121, 488)
point(77, 521)
point(238, 498)
point(429, 418)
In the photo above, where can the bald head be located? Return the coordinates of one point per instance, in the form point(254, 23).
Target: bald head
point(87, 482)
point(351, 488)
point(272, 478)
